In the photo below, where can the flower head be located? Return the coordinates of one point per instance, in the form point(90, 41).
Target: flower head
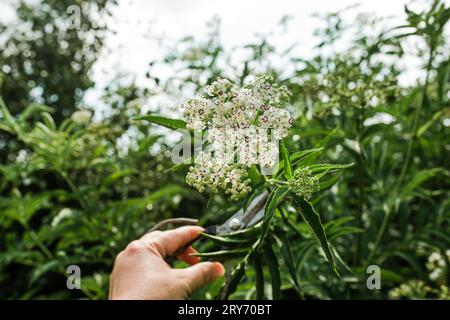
point(237, 122)
point(225, 105)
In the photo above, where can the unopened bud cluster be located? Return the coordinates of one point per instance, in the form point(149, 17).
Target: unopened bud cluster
point(304, 183)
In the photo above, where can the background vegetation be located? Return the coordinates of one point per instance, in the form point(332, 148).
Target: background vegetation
point(76, 191)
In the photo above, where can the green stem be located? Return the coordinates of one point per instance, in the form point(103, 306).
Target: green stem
point(38, 241)
point(360, 178)
point(416, 123)
point(74, 189)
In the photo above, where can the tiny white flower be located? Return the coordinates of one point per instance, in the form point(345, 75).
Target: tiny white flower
point(231, 115)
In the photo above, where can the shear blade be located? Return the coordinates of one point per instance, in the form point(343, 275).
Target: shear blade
point(252, 215)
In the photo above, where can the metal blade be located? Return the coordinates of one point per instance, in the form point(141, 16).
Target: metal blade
point(241, 220)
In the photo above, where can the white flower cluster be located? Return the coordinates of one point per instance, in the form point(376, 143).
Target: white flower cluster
point(436, 265)
point(226, 106)
point(237, 122)
point(210, 172)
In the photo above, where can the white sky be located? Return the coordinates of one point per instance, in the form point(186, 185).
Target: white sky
point(241, 20)
point(130, 49)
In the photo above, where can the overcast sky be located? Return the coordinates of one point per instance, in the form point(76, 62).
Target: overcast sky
point(130, 49)
point(241, 20)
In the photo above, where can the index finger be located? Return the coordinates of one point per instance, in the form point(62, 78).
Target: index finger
point(169, 242)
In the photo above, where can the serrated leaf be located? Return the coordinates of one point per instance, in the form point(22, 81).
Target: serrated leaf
point(173, 124)
point(286, 252)
point(298, 156)
point(223, 255)
point(319, 168)
point(313, 220)
point(224, 240)
point(273, 201)
point(288, 172)
point(236, 277)
point(324, 185)
point(274, 270)
point(259, 277)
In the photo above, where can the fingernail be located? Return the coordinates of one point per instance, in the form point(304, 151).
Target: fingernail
point(219, 270)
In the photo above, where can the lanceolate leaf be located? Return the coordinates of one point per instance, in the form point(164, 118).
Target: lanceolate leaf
point(305, 157)
point(297, 156)
point(312, 218)
point(420, 177)
point(173, 124)
point(236, 277)
point(288, 173)
point(319, 168)
point(274, 270)
point(259, 277)
point(223, 254)
point(285, 247)
point(225, 241)
point(324, 185)
point(273, 201)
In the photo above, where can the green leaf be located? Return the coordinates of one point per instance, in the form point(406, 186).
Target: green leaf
point(313, 220)
point(324, 185)
point(236, 276)
point(297, 156)
point(224, 240)
point(288, 173)
point(248, 233)
point(319, 168)
point(430, 122)
point(273, 201)
point(369, 131)
point(223, 255)
point(420, 177)
point(286, 252)
point(48, 120)
point(9, 119)
point(259, 277)
point(274, 270)
point(43, 269)
point(33, 109)
point(173, 124)
point(185, 163)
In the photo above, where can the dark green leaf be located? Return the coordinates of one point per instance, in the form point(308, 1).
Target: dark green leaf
point(274, 270)
point(313, 220)
point(273, 201)
point(173, 124)
point(288, 172)
point(259, 277)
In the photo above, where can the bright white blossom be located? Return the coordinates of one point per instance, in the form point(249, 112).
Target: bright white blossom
point(436, 265)
point(243, 127)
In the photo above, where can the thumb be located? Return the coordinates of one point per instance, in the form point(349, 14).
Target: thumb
point(203, 273)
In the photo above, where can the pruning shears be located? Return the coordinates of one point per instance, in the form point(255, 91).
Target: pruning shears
point(243, 218)
point(240, 220)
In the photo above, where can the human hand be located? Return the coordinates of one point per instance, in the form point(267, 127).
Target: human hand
point(140, 272)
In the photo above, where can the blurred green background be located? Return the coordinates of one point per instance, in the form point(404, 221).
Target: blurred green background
point(76, 184)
